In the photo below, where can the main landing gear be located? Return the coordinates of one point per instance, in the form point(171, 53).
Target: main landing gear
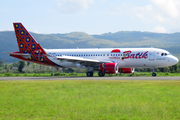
point(153, 72)
point(101, 74)
point(89, 74)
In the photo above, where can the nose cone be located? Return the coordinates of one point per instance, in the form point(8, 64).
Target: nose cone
point(174, 60)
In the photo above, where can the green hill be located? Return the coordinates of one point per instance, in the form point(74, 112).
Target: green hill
point(170, 42)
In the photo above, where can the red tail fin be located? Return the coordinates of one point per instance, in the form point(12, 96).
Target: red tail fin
point(28, 45)
point(29, 49)
point(25, 41)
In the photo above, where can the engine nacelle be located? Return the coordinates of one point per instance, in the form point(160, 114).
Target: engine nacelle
point(126, 70)
point(109, 68)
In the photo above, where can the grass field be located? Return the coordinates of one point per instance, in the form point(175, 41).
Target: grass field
point(82, 74)
point(90, 99)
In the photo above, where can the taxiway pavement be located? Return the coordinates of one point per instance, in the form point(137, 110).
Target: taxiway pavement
point(91, 78)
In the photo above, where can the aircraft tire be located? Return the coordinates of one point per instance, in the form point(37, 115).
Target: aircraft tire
point(89, 74)
point(101, 74)
point(154, 74)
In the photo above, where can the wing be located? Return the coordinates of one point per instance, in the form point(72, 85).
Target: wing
point(80, 60)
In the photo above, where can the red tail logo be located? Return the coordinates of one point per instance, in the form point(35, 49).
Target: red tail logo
point(28, 45)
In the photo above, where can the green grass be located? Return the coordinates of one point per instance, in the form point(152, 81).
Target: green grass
point(90, 99)
point(83, 74)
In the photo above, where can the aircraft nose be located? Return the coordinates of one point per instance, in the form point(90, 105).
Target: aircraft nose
point(174, 60)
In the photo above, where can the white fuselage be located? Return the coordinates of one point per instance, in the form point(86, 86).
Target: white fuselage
point(134, 58)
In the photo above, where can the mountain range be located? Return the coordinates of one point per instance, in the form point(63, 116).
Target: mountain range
point(122, 39)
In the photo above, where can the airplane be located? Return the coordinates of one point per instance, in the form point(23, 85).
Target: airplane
point(103, 60)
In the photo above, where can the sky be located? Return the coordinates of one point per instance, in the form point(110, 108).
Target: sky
point(91, 16)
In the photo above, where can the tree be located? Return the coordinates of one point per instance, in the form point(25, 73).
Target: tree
point(21, 66)
point(1, 63)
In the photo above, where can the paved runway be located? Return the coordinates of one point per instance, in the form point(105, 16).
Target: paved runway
point(91, 78)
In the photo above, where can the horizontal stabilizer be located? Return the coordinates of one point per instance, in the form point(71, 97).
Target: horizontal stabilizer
point(19, 54)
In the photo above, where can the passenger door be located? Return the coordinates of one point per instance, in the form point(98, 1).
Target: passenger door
point(151, 55)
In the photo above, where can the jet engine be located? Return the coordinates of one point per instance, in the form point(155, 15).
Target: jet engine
point(126, 70)
point(109, 68)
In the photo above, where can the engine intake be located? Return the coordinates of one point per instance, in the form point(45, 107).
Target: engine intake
point(109, 68)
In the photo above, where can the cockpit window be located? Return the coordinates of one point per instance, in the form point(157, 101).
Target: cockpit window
point(165, 54)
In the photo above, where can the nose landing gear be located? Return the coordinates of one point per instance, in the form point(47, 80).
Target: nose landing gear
point(153, 72)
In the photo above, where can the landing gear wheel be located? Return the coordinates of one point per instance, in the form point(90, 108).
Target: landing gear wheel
point(153, 74)
point(89, 74)
point(101, 74)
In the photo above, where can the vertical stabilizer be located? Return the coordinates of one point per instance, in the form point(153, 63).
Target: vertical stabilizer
point(28, 45)
point(26, 42)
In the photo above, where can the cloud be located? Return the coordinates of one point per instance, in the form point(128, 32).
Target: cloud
point(116, 11)
point(140, 15)
point(71, 6)
point(103, 0)
point(159, 29)
point(149, 7)
point(145, 8)
point(143, 12)
point(159, 18)
point(170, 7)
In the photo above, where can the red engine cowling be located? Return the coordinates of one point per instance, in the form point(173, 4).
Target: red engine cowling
point(110, 68)
point(126, 70)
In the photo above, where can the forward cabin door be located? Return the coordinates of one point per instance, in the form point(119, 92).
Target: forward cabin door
point(151, 55)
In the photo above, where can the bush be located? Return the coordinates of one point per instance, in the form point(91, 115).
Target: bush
point(57, 74)
point(8, 74)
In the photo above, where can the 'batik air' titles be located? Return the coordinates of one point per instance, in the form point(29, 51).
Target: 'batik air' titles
point(139, 55)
